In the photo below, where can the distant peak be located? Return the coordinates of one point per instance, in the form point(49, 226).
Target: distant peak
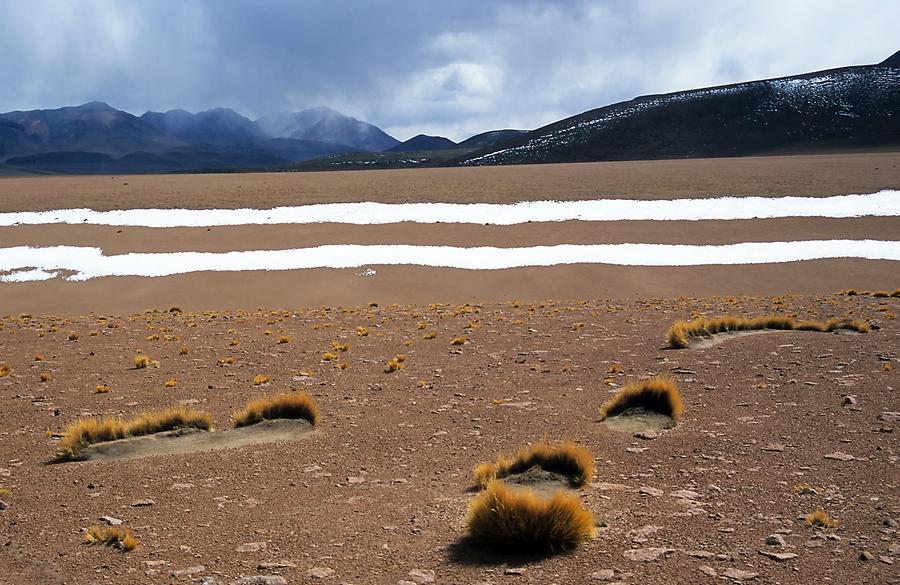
point(892, 61)
point(95, 105)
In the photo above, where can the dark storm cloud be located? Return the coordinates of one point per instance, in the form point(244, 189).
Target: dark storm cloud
point(452, 68)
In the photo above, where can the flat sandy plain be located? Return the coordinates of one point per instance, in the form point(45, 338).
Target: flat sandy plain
point(378, 493)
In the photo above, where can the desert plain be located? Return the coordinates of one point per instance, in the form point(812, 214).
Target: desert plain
point(776, 425)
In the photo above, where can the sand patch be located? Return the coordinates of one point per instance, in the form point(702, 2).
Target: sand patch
point(196, 440)
point(542, 482)
point(635, 420)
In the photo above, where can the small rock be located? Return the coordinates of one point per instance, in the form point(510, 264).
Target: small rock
point(142, 503)
point(111, 521)
point(775, 447)
point(700, 554)
point(775, 540)
point(866, 556)
point(685, 495)
point(250, 547)
point(514, 571)
point(647, 434)
point(181, 486)
point(3, 505)
point(707, 570)
point(603, 575)
point(320, 572)
point(647, 554)
point(156, 563)
point(840, 456)
point(890, 417)
point(886, 560)
point(635, 449)
point(739, 575)
point(273, 566)
point(650, 491)
point(421, 576)
point(890, 523)
point(848, 400)
point(260, 580)
point(188, 571)
point(778, 556)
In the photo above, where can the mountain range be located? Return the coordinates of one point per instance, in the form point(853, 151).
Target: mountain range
point(842, 109)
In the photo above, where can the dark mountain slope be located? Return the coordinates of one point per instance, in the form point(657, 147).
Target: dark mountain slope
point(215, 126)
point(423, 142)
point(490, 138)
point(326, 125)
point(838, 109)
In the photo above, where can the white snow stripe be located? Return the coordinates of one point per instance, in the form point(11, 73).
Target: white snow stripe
point(23, 263)
point(883, 203)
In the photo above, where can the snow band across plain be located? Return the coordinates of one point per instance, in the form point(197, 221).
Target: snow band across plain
point(883, 203)
point(24, 263)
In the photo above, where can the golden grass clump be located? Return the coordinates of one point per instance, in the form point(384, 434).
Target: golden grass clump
point(285, 405)
point(226, 361)
point(461, 340)
point(518, 520)
point(821, 519)
point(46, 376)
point(616, 369)
point(184, 351)
point(141, 361)
point(681, 332)
point(429, 335)
point(285, 339)
point(337, 346)
point(84, 432)
point(171, 383)
point(567, 459)
point(73, 336)
point(5, 370)
point(102, 389)
point(114, 536)
point(260, 379)
point(659, 394)
point(362, 331)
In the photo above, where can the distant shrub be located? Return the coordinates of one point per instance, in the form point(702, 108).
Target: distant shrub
point(286, 405)
point(681, 332)
point(658, 394)
point(568, 459)
point(114, 536)
point(821, 519)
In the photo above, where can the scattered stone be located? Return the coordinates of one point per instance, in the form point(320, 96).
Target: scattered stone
point(886, 560)
point(275, 565)
point(639, 535)
point(775, 447)
point(648, 554)
point(320, 572)
point(890, 417)
point(635, 449)
point(685, 495)
point(156, 563)
point(700, 554)
point(250, 547)
point(181, 486)
point(775, 540)
point(739, 575)
point(260, 580)
point(778, 556)
point(647, 434)
point(840, 456)
point(188, 571)
point(514, 571)
point(603, 575)
point(111, 521)
point(866, 556)
point(890, 523)
point(142, 503)
point(707, 570)
point(3, 505)
point(849, 400)
point(650, 491)
point(604, 487)
point(421, 576)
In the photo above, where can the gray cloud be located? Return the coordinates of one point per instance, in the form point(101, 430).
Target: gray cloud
point(451, 68)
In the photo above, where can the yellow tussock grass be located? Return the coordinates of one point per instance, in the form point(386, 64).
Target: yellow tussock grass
point(567, 459)
point(285, 339)
point(821, 519)
point(226, 361)
point(142, 361)
point(395, 363)
point(5, 370)
point(616, 369)
point(46, 377)
point(659, 394)
point(184, 351)
point(285, 405)
point(362, 331)
point(458, 340)
point(171, 383)
point(337, 346)
point(102, 389)
point(84, 432)
point(681, 332)
point(114, 536)
point(260, 379)
point(505, 518)
point(73, 336)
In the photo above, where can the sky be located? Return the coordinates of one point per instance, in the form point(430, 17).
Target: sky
point(418, 66)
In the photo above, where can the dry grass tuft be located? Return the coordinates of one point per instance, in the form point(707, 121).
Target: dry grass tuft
point(568, 459)
point(659, 394)
point(821, 519)
point(680, 334)
point(337, 346)
point(285, 339)
point(46, 376)
point(286, 405)
point(171, 383)
point(362, 331)
point(114, 536)
point(142, 361)
point(84, 432)
point(102, 389)
point(184, 351)
point(616, 369)
point(5, 370)
point(395, 363)
point(461, 340)
point(73, 336)
point(520, 520)
point(260, 379)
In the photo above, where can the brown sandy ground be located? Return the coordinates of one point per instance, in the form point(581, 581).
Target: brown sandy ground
point(378, 493)
point(818, 175)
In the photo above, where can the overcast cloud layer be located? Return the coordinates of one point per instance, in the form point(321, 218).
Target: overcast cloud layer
point(448, 68)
